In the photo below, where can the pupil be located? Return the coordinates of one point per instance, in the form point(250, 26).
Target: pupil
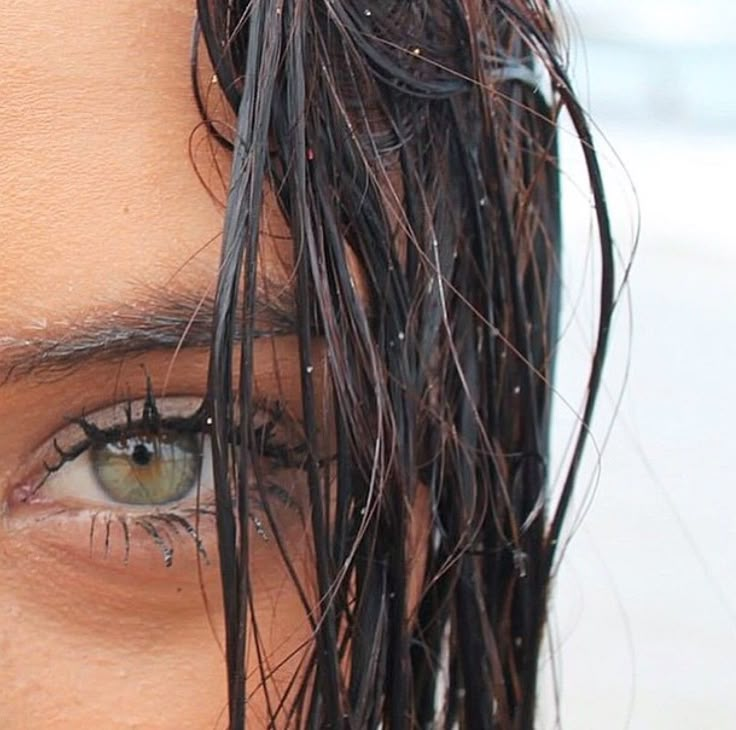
point(141, 455)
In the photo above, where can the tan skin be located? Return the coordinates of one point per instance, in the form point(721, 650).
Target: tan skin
point(101, 204)
point(103, 216)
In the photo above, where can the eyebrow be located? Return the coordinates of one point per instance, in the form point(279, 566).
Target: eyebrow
point(158, 322)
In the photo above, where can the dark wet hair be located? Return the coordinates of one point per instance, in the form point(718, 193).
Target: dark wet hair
point(421, 135)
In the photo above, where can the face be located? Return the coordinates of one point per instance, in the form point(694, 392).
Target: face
point(111, 612)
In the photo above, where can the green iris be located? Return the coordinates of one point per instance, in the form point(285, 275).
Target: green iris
point(148, 470)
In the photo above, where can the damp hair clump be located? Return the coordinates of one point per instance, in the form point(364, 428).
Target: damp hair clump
point(417, 140)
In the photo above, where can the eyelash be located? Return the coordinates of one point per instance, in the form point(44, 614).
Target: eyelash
point(152, 424)
point(163, 527)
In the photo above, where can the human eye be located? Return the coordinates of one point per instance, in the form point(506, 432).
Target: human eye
point(147, 462)
point(142, 471)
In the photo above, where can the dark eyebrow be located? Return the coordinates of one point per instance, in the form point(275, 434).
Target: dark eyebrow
point(157, 322)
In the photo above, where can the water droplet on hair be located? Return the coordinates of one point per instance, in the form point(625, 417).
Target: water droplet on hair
point(310, 369)
point(520, 561)
point(517, 390)
point(483, 202)
point(259, 527)
point(401, 336)
point(416, 51)
point(367, 13)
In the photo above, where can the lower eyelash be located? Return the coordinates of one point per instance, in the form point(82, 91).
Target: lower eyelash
point(162, 538)
point(165, 528)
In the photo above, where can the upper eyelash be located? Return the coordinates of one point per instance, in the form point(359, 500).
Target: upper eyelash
point(152, 423)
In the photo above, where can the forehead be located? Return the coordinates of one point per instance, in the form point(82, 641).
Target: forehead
point(99, 138)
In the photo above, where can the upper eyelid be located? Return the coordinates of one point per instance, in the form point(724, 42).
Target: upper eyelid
point(184, 424)
point(113, 418)
point(90, 433)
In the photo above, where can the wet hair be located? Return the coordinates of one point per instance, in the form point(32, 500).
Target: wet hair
point(417, 138)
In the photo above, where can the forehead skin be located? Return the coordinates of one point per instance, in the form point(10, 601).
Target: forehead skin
point(98, 190)
point(99, 201)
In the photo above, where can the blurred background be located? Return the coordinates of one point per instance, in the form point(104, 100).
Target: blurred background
point(643, 631)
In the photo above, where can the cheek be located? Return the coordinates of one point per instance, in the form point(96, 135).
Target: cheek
point(83, 646)
point(89, 643)
point(279, 631)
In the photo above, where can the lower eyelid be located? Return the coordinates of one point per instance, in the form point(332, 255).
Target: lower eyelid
point(144, 539)
point(138, 544)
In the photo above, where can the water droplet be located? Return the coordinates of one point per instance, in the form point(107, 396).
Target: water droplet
point(367, 13)
point(483, 202)
point(401, 335)
point(310, 369)
point(520, 560)
point(517, 390)
point(416, 51)
point(259, 528)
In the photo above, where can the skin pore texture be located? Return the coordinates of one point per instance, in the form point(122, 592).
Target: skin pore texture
point(107, 228)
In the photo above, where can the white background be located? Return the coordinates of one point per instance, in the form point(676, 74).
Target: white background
point(643, 633)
